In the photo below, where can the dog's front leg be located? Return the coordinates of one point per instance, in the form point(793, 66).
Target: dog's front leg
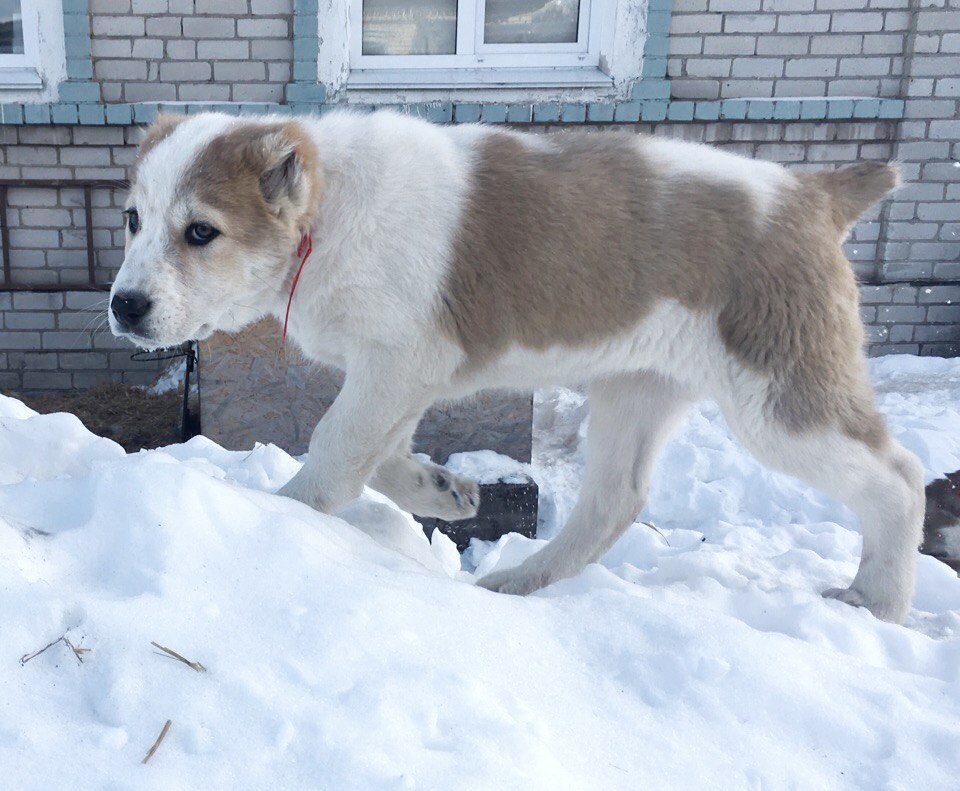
point(376, 408)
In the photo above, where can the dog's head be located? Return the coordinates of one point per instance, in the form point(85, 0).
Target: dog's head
point(214, 214)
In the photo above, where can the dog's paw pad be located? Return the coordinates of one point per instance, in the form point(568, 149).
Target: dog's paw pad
point(460, 496)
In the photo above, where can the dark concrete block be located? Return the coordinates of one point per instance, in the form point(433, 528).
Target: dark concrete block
point(941, 523)
point(499, 421)
point(940, 350)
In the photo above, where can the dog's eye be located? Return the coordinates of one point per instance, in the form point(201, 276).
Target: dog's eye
point(200, 233)
point(133, 220)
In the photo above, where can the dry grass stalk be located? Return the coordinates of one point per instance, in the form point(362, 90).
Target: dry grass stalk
point(656, 530)
point(174, 655)
point(27, 657)
point(78, 650)
point(156, 744)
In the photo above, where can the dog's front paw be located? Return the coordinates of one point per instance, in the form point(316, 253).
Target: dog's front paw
point(887, 608)
point(515, 582)
point(454, 497)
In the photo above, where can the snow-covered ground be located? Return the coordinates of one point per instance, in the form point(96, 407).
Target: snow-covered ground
point(699, 656)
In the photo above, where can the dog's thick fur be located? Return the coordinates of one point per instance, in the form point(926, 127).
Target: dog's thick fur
point(450, 259)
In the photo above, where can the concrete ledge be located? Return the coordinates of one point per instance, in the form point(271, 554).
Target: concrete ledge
point(637, 109)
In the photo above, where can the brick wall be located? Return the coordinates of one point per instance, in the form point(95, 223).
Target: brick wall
point(61, 340)
point(58, 342)
point(922, 235)
point(45, 338)
point(192, 50)
point(47, 226)
point(725, 49)
point(764, 48)
point(907, 254)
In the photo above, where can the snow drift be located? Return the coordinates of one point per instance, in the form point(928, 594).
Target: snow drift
point(348, 652)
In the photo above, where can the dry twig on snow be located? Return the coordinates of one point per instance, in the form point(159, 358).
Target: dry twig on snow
point(174, 655)
point(78, 650)
point(156, 744)
point(27, 657)
point(656, 530)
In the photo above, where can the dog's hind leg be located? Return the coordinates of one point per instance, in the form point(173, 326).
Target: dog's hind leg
point(856, 462)
point(631, 417)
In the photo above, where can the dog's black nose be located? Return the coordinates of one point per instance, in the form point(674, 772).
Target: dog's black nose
point(129, 308)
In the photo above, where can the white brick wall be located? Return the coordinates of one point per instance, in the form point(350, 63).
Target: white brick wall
point(775, 48)
point(241, 50)
point(47, 226)
point(729, 49)
point(57, 340)
point(54, 342)
point(192, 50)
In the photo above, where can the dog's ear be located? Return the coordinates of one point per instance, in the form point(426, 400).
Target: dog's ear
point(290, 173)
point(281, 179)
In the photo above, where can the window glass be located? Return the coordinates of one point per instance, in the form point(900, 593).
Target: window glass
point(531, 21)
point(402, 27)
point(11, 28)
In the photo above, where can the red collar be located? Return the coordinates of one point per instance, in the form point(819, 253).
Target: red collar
point(303, 253)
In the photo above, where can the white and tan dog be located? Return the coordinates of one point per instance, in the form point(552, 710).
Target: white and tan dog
point(450, 259)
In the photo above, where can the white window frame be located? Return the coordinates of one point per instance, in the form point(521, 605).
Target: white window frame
point(21, 70)
point(483, 65)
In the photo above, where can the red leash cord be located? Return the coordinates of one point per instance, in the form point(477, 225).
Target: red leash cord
point(303, 253)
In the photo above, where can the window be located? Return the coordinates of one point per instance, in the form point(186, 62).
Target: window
point(438, 43)
point(11, 28)
point(18, 44)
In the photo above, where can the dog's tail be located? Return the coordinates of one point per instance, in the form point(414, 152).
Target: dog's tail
point(853, 189)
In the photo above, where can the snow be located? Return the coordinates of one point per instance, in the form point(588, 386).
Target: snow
point(171, 379)
point(349, 653)
point(487, 466)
